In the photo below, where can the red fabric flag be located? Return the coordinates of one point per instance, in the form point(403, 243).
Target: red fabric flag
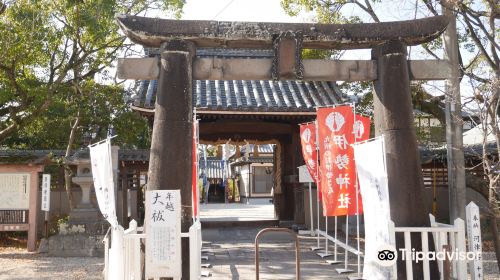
point(337, 168)
point(309, 152)
point(361, 131)
point(361, 128)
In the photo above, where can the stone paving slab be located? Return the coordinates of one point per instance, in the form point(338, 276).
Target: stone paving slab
point(231, 252)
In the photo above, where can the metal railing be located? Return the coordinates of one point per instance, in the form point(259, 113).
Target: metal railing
point(297, 249)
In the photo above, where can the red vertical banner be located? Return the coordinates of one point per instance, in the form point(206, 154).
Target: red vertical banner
point(309, 151)
point(194, 173)
point(361, 128)
point(337, 168)
point(361, 131)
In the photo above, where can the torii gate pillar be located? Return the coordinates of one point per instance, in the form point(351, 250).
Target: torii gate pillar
point(171, 147)
point(394, 118)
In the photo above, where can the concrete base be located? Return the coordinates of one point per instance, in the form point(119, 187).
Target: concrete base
point(84, 213)
point(76, 245)
point(343, 270)
point(333, 262)
point(324, 255)
point(357, 277)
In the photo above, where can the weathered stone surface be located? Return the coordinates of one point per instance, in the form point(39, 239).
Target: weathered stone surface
point(171, 140)
point(148, 68)
point(152, 32)
point(76, 245)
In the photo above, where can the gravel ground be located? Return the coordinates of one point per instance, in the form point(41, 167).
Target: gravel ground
point(16, 264)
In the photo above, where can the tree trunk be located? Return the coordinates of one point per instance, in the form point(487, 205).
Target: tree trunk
point(494, 215)
point(68, 173)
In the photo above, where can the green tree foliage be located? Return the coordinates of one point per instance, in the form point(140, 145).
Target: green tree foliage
point(102, 107)
point(52, 52)
point(53, 73)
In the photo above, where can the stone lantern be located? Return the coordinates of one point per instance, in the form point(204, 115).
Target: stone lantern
point(84, 211)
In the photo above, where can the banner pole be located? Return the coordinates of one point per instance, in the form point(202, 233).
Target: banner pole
point(346, 253)
point(335, 243)
point(318, 185)
point(311, 209)
point(357, 211)
point(357, 227)
point(326, 234)
point(317, 213)
point(325, 253)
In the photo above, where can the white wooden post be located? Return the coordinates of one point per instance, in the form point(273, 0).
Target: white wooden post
point(425, 249)
point(106, 254)
point(392, 238)
point(132, 252)
point(474, 237)
point(409, 266)
point(460, 245)
point(195, 251)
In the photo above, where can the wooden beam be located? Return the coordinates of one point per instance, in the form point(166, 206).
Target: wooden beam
point(237, 127)
point(151, 32)
point(284, 113)
point(260, 69)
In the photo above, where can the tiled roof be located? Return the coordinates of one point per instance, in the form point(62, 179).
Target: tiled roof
point(244, 160)
point(253, 95)
point(248, 95)
point(266, 149)
point(214, 168)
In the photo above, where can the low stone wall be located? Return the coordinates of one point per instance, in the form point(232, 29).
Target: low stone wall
point(76, 245)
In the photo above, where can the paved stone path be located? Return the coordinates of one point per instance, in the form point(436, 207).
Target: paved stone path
point(255, 210)
point(231, 253)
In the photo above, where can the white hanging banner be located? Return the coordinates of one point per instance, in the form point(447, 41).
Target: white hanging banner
point(102, 172)
point(163, 234)
point(45, 192)
point(474, 237)
point(372, 176)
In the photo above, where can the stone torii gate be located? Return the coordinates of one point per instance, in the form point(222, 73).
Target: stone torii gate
point(389, 69)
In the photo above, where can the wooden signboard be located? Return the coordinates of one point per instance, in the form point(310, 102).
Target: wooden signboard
point(163, 234)
point(19, 199)
point(46, 192)
point(14, 191)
